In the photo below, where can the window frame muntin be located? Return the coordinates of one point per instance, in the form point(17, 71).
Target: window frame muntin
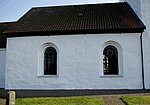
point(41, 60)
point(120, 60)
point(116, 52)
point(46, 58)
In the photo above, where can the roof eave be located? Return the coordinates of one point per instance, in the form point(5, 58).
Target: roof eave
point(71, 32)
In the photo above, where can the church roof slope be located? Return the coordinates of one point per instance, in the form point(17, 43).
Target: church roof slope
point(83, 19)
point(3, 27)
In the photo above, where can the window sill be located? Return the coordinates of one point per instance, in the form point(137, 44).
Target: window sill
point(48, 76)
point(111, 76)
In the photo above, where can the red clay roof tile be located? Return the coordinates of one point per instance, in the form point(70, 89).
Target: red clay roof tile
point(99, 18)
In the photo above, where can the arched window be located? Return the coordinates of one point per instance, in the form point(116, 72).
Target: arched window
point(110, 60)
point(50, 61)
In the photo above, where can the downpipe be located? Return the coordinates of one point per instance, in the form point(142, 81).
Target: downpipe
point(142, 61)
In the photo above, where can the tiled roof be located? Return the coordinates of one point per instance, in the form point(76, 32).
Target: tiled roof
point(3, 27)
point(92, 18)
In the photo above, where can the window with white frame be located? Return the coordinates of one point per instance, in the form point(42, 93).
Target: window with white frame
point(112, 60)
point(48, 60)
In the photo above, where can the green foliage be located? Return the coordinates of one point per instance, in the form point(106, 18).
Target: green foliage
point(136, 100)
point(60, 101)
point(2, 97)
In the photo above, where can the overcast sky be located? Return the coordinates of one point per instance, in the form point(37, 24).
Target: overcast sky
point(12, 10)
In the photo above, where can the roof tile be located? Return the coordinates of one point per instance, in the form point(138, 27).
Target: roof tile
point(3, 27)
point(102, 18)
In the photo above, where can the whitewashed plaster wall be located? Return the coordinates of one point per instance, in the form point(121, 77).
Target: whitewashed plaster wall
point(142, 8)
point(2, 67)
point(145, 8)
point(80, 64)
point(145, 16)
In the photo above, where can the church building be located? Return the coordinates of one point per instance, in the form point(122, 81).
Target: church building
point(89, 46)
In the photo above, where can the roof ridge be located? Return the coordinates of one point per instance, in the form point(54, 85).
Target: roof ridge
point(74, 5)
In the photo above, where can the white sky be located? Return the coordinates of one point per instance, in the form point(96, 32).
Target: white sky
point(12, 10)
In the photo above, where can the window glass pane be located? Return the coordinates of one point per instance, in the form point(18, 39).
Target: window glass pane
point(50, 61)
point(110, 60)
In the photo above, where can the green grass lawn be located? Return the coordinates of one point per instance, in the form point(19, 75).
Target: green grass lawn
point(136, 100)
point(60, 101)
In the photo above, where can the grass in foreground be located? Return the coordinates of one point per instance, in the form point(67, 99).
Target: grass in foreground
point(60, 101)
point(2, 101)
point(136, 100)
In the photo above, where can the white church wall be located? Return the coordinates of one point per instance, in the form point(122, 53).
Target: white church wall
point(146, 14)
point(2, 67)
point(146, 58)
point(146, 40)
point(141, 7)
point(80, 64)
